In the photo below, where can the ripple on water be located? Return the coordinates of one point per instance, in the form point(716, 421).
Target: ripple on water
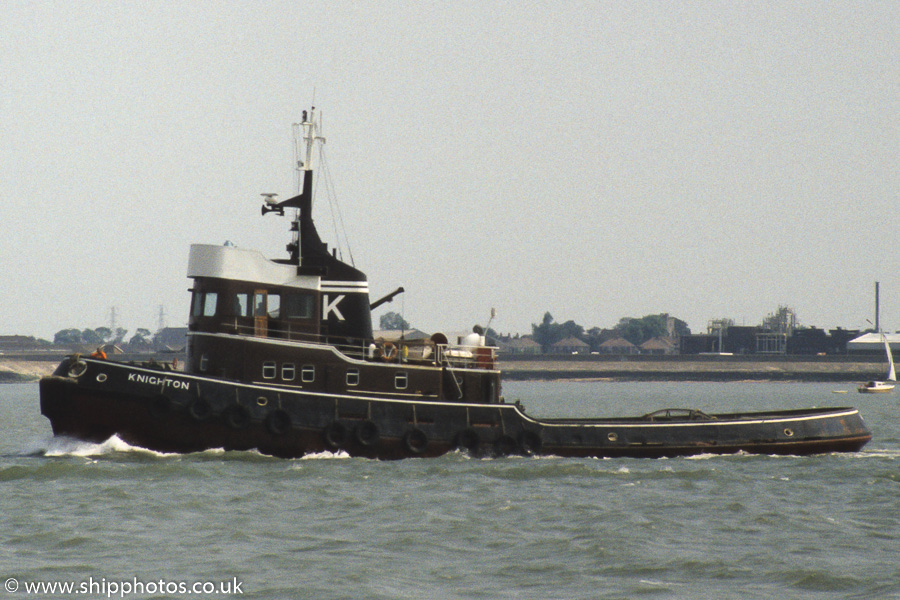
point(723, 527)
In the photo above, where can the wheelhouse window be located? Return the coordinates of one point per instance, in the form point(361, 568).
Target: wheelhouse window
point(204, 304)
point(274, 306)
point(308, 374)
point(242, 305)
point(298, 306)
point(352, 377)
point(269, 370)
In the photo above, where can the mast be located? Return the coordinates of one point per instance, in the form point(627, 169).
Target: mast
point(306, 249)
point(313, 252)
point(877, 309)
point(344, 290)
point(310, 131)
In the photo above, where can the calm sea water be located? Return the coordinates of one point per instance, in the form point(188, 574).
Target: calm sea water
point(332, 527)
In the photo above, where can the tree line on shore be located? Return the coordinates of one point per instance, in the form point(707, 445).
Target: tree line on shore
point(141, 340)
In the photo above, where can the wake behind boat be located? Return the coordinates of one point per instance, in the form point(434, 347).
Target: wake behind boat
point(282, 359)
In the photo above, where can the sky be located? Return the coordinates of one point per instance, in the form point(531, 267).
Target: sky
point(595, 160)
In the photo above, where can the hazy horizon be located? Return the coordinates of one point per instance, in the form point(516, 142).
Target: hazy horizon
point(181, 321)
point(595, 160)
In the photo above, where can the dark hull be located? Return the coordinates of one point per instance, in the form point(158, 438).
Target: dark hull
point(169, 411)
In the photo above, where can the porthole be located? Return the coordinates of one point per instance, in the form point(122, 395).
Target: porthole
point(612, 436)
point(788, 432)
point(269, 370)
point(401, 380)
point(262, 401)
point(101, 377)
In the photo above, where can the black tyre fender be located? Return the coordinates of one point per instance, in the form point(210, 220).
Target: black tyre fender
point(200, 410)
point(278, 422)
point(530, 443)
point(415, 440)
point(505, 446)
point(467, 440)
point(367, 433)
point(236, 416)
point(335, 434)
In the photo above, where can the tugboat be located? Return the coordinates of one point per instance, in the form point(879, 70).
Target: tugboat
point(282, 359)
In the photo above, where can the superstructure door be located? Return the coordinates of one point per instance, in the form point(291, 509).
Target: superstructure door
point(260, 316)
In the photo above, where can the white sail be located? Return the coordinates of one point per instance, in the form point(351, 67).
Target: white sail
point(892, 374)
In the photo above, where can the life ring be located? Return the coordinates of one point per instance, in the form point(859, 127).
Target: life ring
point(530, 443)
point(467, 440)
point(366, 433)
point(335, 434)
point(415, 440)
point(388, 351)
point(200, 410)
point(278, 422)
point(236, 416)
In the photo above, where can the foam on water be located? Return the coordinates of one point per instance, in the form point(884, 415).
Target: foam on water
point(891, 453)
point(325, 455)
point(64, 446)
point(60, 446)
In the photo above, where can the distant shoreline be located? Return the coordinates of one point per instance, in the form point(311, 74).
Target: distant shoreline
point(26, 368)
point(16, 370)
point(695, 368)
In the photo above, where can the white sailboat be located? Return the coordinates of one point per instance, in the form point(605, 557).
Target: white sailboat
point(876, 387)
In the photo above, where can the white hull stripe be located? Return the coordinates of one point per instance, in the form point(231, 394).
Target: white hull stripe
point(612, 423)
point(344, 287)
point(346, 284)
point(341, 290)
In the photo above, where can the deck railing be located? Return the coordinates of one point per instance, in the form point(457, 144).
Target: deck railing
point(397, 351)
